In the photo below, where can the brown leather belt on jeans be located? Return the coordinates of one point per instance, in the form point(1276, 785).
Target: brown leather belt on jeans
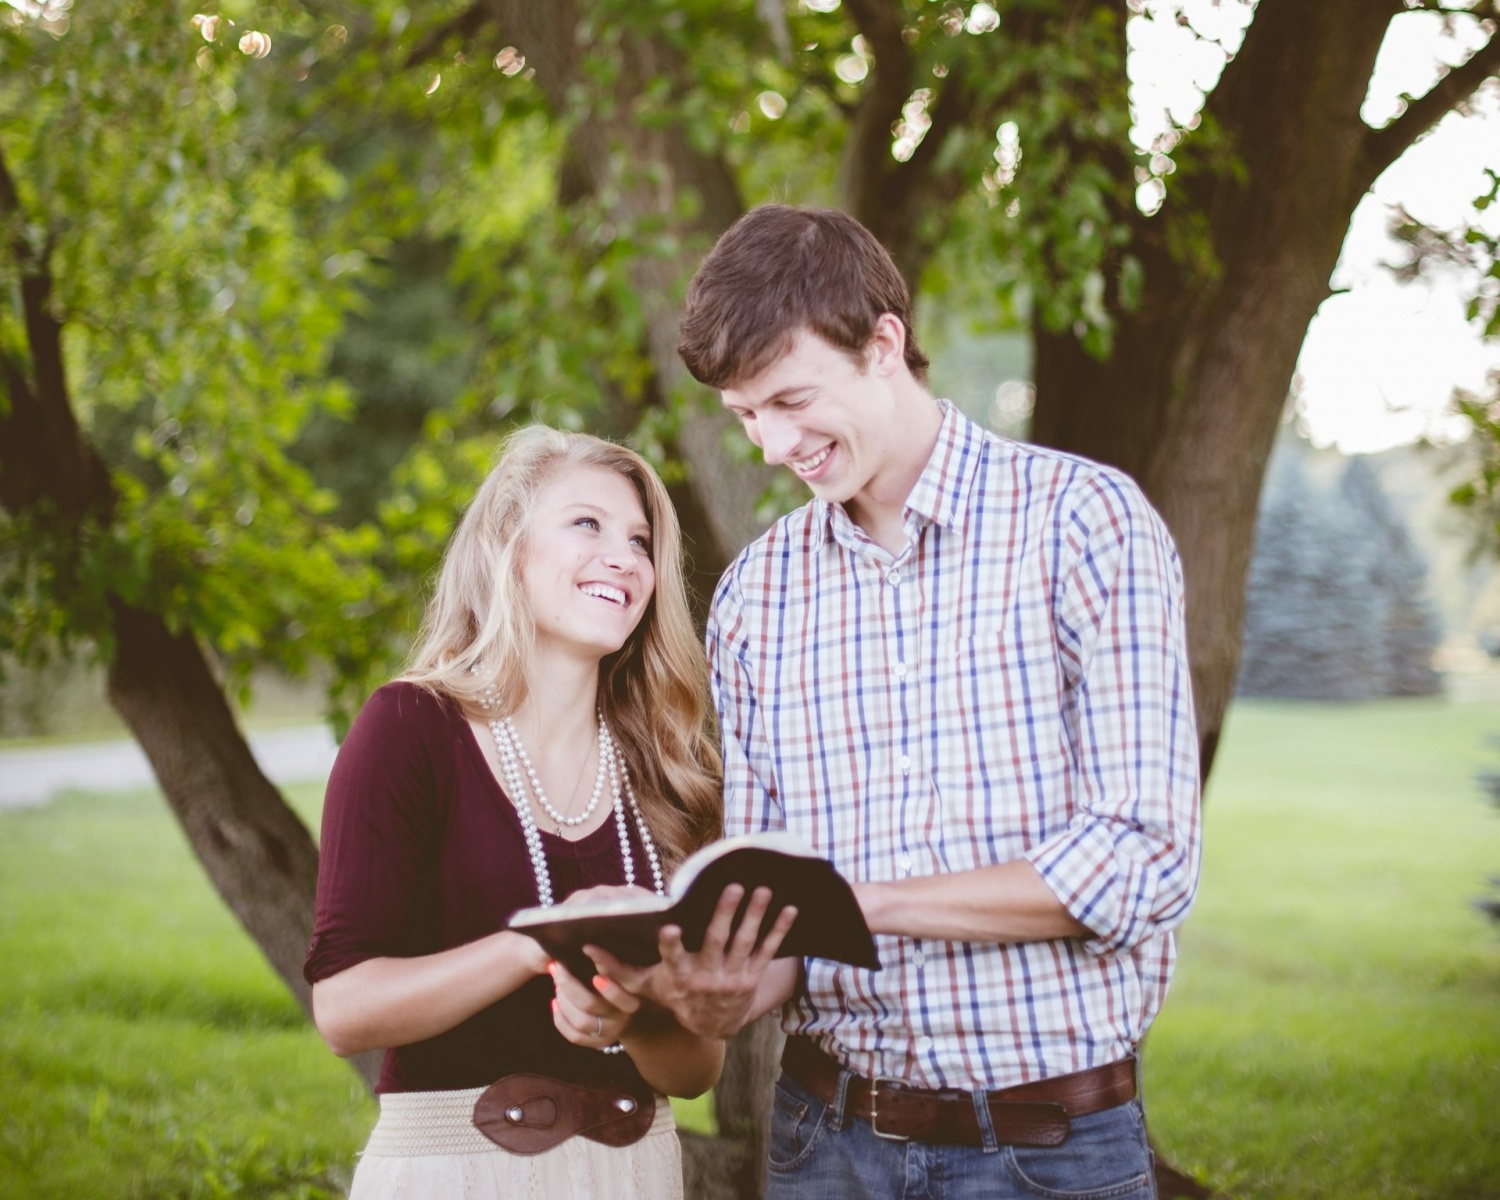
point(1029, 1114)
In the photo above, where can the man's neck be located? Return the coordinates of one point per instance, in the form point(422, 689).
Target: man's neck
point(879, 509)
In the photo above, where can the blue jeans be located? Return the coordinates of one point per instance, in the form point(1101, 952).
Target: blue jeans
point(815, 1155)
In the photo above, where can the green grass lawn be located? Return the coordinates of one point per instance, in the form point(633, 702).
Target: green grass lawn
point(1334, 1025)
point(1333, 1031)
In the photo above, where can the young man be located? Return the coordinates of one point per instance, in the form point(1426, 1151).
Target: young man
point(960, 673)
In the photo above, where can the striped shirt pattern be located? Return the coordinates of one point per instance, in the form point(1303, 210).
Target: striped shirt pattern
point(1013, 684)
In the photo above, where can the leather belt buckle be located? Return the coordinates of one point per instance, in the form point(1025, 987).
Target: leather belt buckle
point(875, 1107)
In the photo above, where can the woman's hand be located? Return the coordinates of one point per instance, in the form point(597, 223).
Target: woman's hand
point(606, 891)
point(595, 1019)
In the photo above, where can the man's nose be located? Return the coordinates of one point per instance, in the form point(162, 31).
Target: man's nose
point(778, 438)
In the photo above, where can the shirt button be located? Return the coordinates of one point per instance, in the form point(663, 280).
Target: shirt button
point(900, 670)
point(894, 579)
point(919, 958)
point(906, 863)
point(924, 1043)
point(904, 762)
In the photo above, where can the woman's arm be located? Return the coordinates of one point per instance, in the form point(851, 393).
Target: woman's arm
point(669, 1058)
point(385, 1002)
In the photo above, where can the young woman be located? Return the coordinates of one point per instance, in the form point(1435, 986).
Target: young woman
point(549, 736)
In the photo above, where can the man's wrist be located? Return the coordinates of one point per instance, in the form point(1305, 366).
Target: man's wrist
point(874, 903)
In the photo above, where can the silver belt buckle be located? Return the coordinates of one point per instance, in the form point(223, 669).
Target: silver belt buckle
point(875, 1107)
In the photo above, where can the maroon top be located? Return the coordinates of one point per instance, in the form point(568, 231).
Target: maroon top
point(423, 851)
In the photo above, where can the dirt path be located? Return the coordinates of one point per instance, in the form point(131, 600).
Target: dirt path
point(34, 774)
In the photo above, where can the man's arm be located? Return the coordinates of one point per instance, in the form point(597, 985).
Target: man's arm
point(1005, 903)
point(1124, 867)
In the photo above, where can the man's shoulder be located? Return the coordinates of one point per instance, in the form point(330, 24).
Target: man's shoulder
point(1046, 461)
point(791, 539)
point(1057, 477)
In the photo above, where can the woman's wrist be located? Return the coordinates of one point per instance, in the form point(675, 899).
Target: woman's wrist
point(525, 952)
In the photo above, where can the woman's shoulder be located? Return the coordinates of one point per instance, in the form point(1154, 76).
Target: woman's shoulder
point(402, 700)
point(403, 715)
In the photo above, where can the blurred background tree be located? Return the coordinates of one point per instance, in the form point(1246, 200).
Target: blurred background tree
point(1337, 606)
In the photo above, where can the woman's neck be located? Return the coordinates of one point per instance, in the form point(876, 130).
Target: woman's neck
point(561, 705)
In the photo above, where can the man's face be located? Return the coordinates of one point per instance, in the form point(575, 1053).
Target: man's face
point(825, 416)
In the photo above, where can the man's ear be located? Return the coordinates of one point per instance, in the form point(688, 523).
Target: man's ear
point(886, 349)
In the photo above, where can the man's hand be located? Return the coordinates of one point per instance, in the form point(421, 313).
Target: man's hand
point(720, 989)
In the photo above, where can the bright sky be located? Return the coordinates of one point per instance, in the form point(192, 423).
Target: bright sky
point(1381, 360)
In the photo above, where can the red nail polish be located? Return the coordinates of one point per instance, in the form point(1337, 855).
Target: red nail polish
point(599, 982)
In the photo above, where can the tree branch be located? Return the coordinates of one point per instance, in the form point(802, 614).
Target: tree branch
point(1383, 146)
point(43, 452)
point(868, 150)
point(956, 108)
point(465, 25)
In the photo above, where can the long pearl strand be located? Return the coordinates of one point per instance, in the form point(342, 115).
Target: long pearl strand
point(508, 747)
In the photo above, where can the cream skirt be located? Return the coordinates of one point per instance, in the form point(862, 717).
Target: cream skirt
point(425, 1145)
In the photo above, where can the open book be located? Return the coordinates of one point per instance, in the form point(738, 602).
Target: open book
point(829, 922)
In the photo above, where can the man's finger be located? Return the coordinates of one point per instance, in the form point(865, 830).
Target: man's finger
point(743, 945)
point(716, 936)
point(771, 943)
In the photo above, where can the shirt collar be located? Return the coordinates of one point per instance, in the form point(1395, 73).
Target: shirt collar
point(940, 495)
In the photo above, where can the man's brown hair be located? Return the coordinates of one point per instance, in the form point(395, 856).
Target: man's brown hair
point(779, 270)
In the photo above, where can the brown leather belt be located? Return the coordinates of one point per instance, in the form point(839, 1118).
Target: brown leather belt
point(527, 1114)
point(1029, 1114)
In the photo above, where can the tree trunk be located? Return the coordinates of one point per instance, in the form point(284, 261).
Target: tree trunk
point(1190, 400)
point(256, 850)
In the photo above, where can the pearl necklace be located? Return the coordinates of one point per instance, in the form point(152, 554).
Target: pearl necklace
point(508, 747)
point(507, 727)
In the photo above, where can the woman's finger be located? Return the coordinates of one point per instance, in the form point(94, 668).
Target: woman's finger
point(632, 979)
point(624, 1004)
point(601, 1012)
point(578, 1004)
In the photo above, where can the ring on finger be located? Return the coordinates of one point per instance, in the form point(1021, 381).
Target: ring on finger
point(598, 1026)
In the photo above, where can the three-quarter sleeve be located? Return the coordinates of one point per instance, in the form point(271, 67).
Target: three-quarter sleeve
point(381, 821)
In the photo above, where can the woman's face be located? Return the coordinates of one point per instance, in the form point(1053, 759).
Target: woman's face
point(587, 568)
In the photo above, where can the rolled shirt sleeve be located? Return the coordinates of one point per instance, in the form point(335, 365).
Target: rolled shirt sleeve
point(1126, 866)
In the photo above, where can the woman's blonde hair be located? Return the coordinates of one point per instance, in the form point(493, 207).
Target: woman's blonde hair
point(653, 691)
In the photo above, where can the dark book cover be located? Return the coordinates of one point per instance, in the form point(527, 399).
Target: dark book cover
point(829, 922)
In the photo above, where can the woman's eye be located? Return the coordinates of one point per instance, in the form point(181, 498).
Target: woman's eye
point(643, 544)
point(587, 522)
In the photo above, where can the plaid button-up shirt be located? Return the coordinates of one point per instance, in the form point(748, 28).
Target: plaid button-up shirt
point(1012, 684)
